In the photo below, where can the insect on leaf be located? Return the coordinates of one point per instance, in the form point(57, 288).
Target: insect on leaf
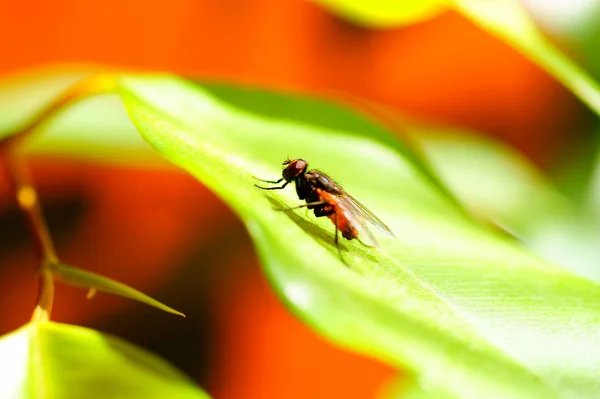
point(463, 308)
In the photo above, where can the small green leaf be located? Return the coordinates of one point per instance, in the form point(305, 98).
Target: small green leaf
point(386, 13)
point(465, 310)
point(84, 279)
point(59, 361)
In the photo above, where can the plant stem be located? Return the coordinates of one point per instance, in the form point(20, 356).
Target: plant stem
point(28, 201)
point(45, 299)
point(24, 191)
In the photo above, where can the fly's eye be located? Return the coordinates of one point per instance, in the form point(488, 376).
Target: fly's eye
point(294, 169)
point(297, 167)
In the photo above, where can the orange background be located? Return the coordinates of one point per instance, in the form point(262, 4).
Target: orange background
point(162, 232)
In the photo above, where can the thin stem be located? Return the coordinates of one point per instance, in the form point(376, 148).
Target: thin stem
point(45, 299)
point(28, 202)
point(24, 191)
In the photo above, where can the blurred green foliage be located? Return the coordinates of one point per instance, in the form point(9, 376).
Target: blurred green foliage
point(59, 361)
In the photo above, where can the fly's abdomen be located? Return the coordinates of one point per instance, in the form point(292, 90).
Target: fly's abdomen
point(347, 229)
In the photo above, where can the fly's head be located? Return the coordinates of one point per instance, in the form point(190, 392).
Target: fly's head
point(294, 169)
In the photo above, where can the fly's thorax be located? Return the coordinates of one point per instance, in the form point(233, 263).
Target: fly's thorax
point(324, 182)
point(300, 188)
point(305, 187)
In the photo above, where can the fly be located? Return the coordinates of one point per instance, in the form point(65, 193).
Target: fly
point(327, 198)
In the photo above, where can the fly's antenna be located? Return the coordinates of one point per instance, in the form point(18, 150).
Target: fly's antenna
point(287, 161)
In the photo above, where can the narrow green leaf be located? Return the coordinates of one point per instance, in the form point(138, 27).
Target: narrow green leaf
point(84, 279)
point(468, 311)
point(509, 20)
point(60, 361)
point(506, 19)
point(386, 13)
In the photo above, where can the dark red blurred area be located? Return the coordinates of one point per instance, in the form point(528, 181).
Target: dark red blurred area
point(160, 231)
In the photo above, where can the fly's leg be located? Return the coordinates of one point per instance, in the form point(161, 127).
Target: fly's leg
point(337, 242)
point(328, 212)
point(323, 211)
point(273, 188)
point(374, 245)
point(305, 205)
point(269, 181)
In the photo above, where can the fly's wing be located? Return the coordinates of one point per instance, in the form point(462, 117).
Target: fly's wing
point(367, 215)
point(361, 217)
point(355, 212)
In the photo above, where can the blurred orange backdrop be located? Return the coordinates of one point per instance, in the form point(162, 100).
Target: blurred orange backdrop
point(162, 232)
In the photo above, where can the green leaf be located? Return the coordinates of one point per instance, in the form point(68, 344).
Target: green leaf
point(506, 19)
point(328, 115)
point(500, 185)
point(464, 309)
point(594, 190)
point(386, 13)
point(97, 128)
point(492, 180)
point(409, 388)
point(60, 361)
point(24, 94)
point(84, 279)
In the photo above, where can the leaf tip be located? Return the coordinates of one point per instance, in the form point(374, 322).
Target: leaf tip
point(176, 312)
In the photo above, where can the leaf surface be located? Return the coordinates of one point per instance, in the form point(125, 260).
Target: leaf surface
point(463, 308)
point(500, 185)
point(59, 361)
